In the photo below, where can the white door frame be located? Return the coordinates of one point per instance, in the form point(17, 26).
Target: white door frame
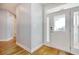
point(68, 32)
point(73, 50)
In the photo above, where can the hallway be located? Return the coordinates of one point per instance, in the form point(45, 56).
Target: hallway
point(39, 29)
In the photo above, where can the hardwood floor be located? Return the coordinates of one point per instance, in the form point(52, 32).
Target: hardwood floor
point(10, 48)
point(45, 50)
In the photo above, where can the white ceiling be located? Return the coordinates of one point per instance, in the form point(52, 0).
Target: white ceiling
point(9, 6)
point(52, 5)
point(12, 6)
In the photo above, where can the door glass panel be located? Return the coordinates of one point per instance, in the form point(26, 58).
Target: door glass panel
point(48, 40)
point(76, 29)
point(59, 22)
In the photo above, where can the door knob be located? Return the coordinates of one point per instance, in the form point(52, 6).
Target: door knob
point(51, 28)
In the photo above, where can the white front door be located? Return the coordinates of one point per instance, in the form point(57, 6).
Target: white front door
point(75, 30)
point(59, 23)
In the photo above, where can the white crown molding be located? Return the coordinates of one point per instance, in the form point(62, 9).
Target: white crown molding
point(61, 7)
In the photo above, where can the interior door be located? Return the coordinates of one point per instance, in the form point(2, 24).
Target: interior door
point(60, 29)
point(75, 30)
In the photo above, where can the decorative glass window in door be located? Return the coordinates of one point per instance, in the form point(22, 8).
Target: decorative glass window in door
point(59, 22)
point(76, 29)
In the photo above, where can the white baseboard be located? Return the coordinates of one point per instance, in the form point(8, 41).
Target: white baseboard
point(23, 47)
point(8, 39)
point(36, 48)
point(32, 50)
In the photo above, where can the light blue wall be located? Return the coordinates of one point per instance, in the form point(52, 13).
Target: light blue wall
point(23, 29)
point(29, 25)
point(6, 25)
point(36, 25)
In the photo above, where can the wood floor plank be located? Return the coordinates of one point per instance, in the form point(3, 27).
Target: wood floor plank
point(11, 48)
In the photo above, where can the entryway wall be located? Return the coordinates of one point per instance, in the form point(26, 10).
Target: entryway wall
point(53, 9)
point(56, 9)
point(29, 26)
point(7, 20)
point(6, 25)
